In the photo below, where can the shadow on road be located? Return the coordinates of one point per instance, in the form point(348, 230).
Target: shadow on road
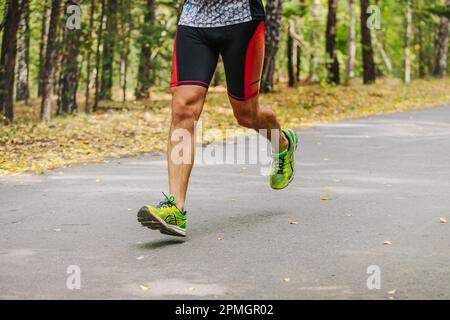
point(160, 243)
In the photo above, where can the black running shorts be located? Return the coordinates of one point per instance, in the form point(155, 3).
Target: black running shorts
point(197, 50)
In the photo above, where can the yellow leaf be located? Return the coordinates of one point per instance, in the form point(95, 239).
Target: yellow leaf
point(324, 198)
point(442, 220)
point(392, 292)
point(144, 288)
point(387, 243)
point(286, 279)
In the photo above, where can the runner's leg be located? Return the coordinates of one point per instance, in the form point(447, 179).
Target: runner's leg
point(251, 114)
point(187, 105)
point(243, 59)
point(193, 65)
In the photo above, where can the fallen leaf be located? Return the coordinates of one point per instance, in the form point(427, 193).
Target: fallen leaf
point(442, 220)
point(144, 288)
point(286, 279)
point(387, 243)
point(293, 222)
point(192, 289)
point(324, 198)
point(140, 258)
point(392, 292)
point(219, 238)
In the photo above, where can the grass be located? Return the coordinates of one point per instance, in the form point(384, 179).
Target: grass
point(138, 127)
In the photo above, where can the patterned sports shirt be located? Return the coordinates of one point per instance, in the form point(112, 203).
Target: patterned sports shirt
point(219, 13)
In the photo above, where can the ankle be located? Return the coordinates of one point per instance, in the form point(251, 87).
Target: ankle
point(180, 205)
point(283, 144)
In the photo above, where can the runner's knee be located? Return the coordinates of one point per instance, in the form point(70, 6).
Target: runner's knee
point(244, 112)
point(186, 108)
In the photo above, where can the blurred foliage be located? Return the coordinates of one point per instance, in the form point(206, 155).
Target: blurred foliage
point(132, 128)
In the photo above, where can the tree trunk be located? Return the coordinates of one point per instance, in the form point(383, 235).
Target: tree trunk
point(58, 53)
point(351, 41)
point(333, 62)
point(145, 80)
point(126, 27)
point(298, 57)
point(124, 75)
point(366, 42)
point(8, 58)
point(422, 72)
point(87, 106)
point(43, 45)
point(274, 10)
point(23, 53)
point(98, 55)
point(441, 49)
point(109, 43)
point(46, 105)
point(431, 54)
point(293, 55)
point(408, 36)
point(313, 75)
point(68, 79)
point(290, 58)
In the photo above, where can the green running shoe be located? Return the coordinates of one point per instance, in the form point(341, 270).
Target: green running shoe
point(283, 166)
point(165, 217)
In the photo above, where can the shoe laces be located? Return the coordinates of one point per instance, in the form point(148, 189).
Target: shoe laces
point(169, 201)
point(280, 163)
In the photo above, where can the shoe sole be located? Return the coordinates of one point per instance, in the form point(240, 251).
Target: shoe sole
point(293, 158)
point(152, 221)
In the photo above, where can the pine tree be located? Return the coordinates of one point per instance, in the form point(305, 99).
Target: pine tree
point(333, 62)
point(68, 78)
point(366, 43)
point(23, 53)
point(109, 46)
point(145, 64)
point(274, 11)
point(47, 76)
point(8, 58)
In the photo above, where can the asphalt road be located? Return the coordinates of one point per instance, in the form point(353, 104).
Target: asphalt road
point(387, 178)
